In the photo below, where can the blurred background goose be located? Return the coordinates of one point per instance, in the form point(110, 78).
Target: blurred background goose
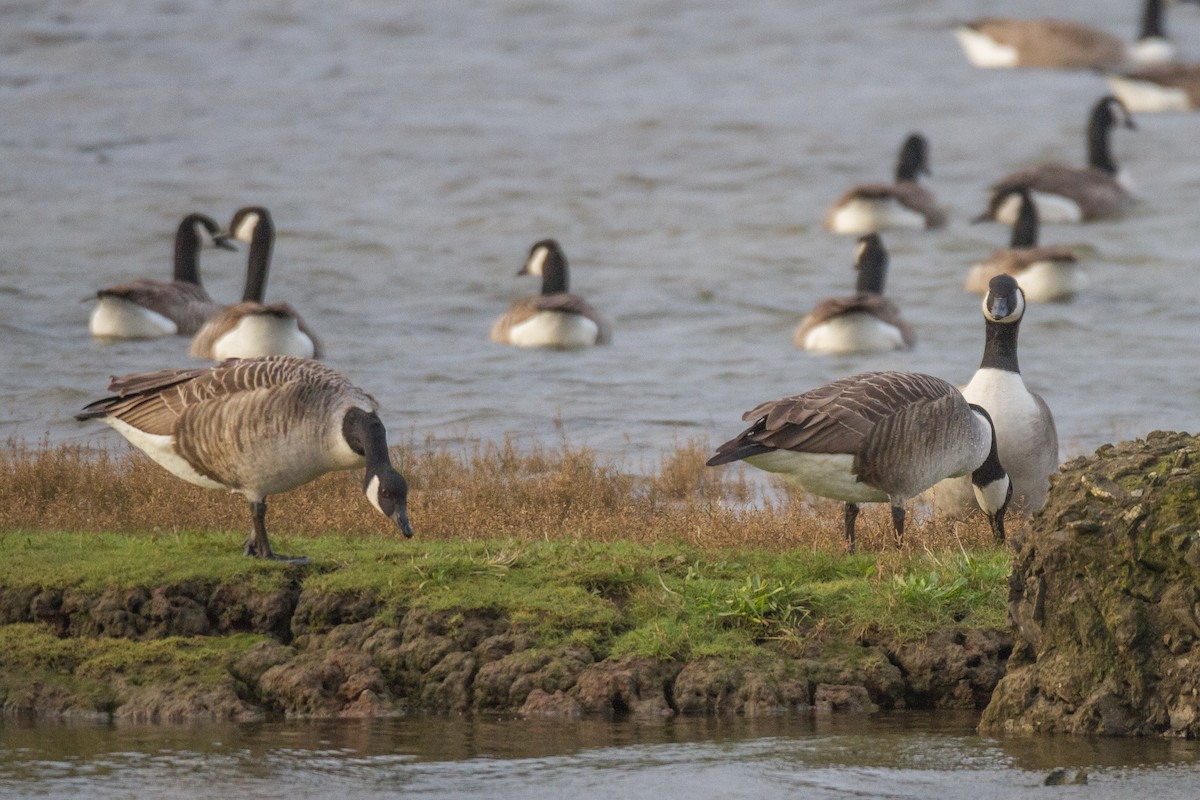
point(1165, 87)
point(866, 322)
point(147, 309)
point(1025, 432)
point(1045, 274)
point(555, 318)
point(872, 207)
point(252, 328)
point(878, 437)
point(258, 427)
point(1063, 44)
point(1071, 194)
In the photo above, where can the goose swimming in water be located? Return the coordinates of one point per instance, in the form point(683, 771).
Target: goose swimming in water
point(555, 318)
point(1045, 274)
point(999, 42)
point(872, 207)
point(1163, 87)
point(866, 322)
point(252, 328)
point(258, 427)
point(147, 309)
point(877, 437)
point(1071, 194)
point(1026, 437)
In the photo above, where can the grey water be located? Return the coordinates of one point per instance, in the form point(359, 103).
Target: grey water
point(896, 755)
point(684, 153)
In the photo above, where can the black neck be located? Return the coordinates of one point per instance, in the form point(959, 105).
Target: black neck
point(1099, 154)
point(1000, 346)
point(259, 260)
point(187, 246)
point(1152, 20)
point(872, 270)
point(991, 469)
point(554, 273)
point(364, 432)
point(1025, 229)
point(911, 162)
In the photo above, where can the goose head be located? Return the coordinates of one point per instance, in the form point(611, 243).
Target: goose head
point(384, 487)
point(914, 158)
point(871, 261)
point(992, 486)
point(1004, 302)
point(547, 261)
point(254, 226)
point(196, 232)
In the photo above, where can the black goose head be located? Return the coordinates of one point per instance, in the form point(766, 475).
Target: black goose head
point(993, 488)
point(1107, 113)
point(382, 484)
point(547, 260)
point(253, 225)
point(1004, 302)
point(195, 233)
point(871, 262)
point(914, 158)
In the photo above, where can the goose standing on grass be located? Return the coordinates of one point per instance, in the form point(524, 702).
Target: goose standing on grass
point(1063, 44)
point(258, 427)
point(1025, 434)
point(1165, 87)
point(872, 207)
point(1071, 194)
point(866, 322)
point(874, 438)
point(555, 318)
point(1045, 274)
point(148, 309)
point(251, 328)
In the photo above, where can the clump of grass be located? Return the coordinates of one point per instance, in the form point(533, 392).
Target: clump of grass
point(493, 490)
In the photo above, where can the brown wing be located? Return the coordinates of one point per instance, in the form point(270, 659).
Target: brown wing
point(1177, 76)
point(1096, 192)
point(186, 304)
point(863, 303)
point(564, 302)
point(1054, 43)
point(908, 193)
point(906, 452)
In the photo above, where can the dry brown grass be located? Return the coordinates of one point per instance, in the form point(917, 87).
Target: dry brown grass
point(496, 490)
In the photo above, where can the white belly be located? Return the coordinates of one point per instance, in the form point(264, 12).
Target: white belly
point(1051, 208)
point(161, 449)
point(858, 216)
point(1050, 281)
point(263, 335)
point(983, 51)
point(1150, 51)
point(554, 329)
point(114, 318)
point(825, 475)
point(853, 333)
point(1142, 97)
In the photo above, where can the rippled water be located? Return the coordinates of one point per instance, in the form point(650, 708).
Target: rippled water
point(900, 755)
point(683, 152)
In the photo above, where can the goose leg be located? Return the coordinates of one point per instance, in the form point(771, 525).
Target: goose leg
point(257, 545)
point(851, 514)
point(898, 523)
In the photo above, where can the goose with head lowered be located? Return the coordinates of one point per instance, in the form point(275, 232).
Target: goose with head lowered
point(865, 322)
point(252, 328)
point(872, 207)
point(258, 427)
point(147, 309)
point(1026, 438)
point(877, 437)
point(1045, 274)
point(1007, 42)
point(1065, 194)
point(555, 318)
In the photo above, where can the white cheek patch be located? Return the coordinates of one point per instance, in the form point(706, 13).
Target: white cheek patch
point(245, 229)
point(372, 493)
point(537, 261)
point(991, 498)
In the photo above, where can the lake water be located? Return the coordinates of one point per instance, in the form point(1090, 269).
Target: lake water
point(890, 755)
point(684, 154)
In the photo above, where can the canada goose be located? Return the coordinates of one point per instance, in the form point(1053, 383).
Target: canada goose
point(555, 318)
point(1045, 274)
point(251, 328)
point(1025, 434)
point(259, 427)
point(1063, 44)
point(1164, 87)
point(876, 437)
point(866, 322)
point(1071, 194)
point(146, 309)
point(878, 206)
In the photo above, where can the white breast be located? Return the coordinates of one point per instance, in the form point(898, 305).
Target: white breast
point(118, 318)
point(554, 329)
point(858, 216)
point(1051, 208)
point(263, 335)
point(826, 475)
point(1148, 97)
point(853, 333)
point(1050, 281)
point(1152, 50)
point(983, 51)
